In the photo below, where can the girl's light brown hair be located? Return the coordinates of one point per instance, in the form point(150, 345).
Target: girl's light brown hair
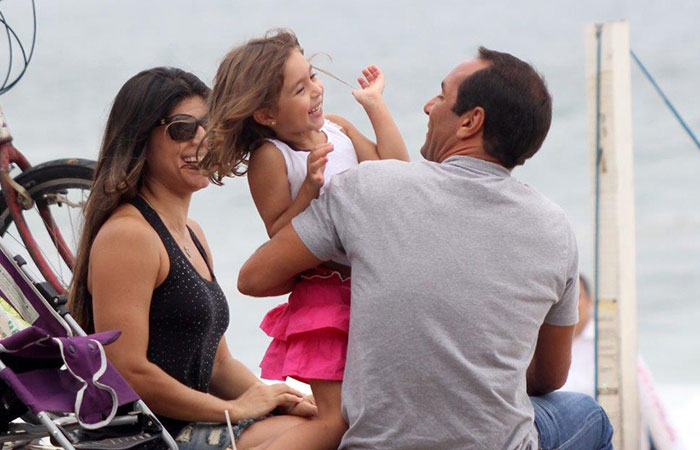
point(249, 78)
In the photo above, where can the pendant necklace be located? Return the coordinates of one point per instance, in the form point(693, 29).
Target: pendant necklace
point(183, 245)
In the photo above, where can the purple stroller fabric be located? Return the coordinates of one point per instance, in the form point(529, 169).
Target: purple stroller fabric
point(87, 384)
point(14, 284)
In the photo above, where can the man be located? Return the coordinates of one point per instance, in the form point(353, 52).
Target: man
point(464, 280)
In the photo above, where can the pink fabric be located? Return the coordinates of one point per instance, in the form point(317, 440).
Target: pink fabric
point(309, 332)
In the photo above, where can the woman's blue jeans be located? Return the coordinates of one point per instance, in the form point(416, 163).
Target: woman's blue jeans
point(564, 420)
point(569, 420)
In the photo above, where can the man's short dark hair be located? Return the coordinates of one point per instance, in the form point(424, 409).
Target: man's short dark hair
point(517, 104)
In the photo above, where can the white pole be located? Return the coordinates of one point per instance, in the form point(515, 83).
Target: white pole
point(612, 172)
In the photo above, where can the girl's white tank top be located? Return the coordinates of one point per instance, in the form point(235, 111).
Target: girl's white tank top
point(342, 157)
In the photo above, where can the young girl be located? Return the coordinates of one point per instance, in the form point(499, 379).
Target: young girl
point(266, 113)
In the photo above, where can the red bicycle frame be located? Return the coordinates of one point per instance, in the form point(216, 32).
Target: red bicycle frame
point(17, 200)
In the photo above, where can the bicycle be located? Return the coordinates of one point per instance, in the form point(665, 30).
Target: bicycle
point(61, 183)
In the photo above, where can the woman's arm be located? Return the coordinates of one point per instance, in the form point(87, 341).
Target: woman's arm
point(125, 263)
point(229, 377)
point(267, 178)
point(390, 144)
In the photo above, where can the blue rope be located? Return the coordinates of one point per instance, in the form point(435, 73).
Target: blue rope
point(598, 158)
point(666, 100)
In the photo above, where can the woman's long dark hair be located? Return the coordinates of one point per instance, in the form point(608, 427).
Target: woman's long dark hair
point(138, 107)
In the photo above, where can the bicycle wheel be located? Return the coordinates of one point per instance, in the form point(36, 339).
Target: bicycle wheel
point(61, 187)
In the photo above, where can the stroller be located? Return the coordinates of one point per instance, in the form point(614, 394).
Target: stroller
point(55, 382)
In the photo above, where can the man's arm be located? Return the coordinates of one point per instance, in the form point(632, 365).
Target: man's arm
point(549, 367)
point(272, 268)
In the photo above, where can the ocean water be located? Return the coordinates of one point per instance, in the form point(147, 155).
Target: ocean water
point(86, 50)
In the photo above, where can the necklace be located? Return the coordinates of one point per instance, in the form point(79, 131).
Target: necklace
point(183, 240)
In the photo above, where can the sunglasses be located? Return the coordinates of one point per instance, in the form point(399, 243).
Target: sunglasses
point(183, 127)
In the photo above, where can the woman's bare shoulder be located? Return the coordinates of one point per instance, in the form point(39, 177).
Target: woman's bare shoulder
point(126, 247)
point(128, 230)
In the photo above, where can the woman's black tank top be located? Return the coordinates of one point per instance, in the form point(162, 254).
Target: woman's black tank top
point(188, 316)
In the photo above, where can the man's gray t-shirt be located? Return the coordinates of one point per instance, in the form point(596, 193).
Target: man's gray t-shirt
point(455, 267)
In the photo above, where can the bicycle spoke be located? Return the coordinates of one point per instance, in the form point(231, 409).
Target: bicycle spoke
point(59, 271)
point(21, 243)
point(72, 229)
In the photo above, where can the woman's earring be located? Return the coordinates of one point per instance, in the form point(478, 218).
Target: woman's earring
point(273, 123)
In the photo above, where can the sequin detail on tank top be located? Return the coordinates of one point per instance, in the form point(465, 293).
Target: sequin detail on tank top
point(188, 316)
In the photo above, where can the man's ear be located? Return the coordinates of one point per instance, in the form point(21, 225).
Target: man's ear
point(265, 117)
point(471, 122)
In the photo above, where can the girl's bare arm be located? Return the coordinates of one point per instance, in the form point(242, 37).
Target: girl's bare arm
point(390, 144)
point(267, 178)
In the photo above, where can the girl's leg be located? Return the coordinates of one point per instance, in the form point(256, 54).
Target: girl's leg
point(323, 432)
point(267, 430)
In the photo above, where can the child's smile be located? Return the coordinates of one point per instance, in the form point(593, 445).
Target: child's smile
point(299, 111)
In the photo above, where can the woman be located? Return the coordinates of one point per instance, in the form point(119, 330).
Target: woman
point(144, 268)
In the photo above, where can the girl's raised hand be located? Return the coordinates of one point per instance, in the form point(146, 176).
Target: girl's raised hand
point(372, 86)
point(316, 164)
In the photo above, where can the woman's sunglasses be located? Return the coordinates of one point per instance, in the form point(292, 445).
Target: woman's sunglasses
point(183, 127)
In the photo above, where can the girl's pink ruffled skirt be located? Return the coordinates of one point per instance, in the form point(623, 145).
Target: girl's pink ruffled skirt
point(310, 331)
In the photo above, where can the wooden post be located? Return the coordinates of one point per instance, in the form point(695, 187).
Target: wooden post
point(612, 173)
